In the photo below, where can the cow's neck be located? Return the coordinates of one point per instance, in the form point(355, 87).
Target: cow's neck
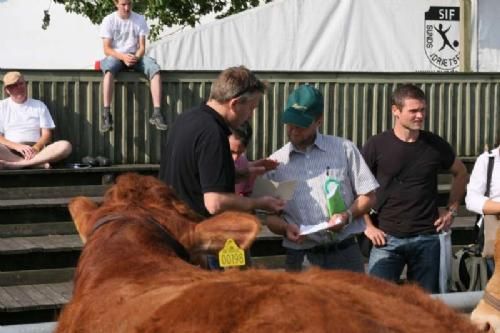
point(171, 241)
point(493, 286)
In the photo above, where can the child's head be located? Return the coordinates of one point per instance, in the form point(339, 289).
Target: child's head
point(239, 139)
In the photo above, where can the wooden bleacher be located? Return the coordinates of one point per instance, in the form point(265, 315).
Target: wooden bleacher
point(39, 245)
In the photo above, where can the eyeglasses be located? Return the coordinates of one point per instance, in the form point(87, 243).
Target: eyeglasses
point(16, 85)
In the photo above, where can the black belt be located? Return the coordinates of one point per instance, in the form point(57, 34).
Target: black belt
point(332, 247)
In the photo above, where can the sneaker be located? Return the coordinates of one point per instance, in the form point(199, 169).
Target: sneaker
point(107, 122)
point(103, 161)
point(89, 160)
point(157, 120)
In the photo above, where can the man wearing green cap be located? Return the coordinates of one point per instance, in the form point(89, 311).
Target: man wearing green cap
point(312, 159)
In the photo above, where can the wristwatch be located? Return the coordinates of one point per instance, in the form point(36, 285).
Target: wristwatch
point(261, 215)
point(453, 211)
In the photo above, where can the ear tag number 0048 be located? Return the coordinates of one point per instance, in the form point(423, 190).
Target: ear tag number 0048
point(231, 255)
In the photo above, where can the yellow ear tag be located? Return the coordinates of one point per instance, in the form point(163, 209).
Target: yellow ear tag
point(231, 255)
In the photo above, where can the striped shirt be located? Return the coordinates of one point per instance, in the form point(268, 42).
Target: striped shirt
point(308, 205)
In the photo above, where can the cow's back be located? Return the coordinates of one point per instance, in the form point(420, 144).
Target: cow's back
point(265, 301)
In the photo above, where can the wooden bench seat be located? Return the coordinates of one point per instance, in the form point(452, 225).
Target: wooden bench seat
point(38, 203)
point(35, 297)
point(71, 176)
point(49, 243)
point(48, 192)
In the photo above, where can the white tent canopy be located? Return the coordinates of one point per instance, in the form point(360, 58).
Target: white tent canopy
point(338, 35)
point(284, 35)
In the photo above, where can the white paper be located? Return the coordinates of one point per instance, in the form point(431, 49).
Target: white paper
point(445, 261)
point(310, 229)
point(283, 190)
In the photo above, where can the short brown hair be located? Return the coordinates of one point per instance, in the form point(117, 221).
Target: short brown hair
point(243, 133)
point(236, 82)
point(407, 91)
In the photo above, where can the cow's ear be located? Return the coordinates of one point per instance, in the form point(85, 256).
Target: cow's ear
point(80, 209)
point(212, 234)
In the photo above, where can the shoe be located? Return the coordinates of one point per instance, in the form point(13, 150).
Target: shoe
point(157, 120)
point(107, 122)
point(103, 161)
point(89, 160)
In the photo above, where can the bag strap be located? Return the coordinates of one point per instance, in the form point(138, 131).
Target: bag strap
point(457, 282)
point(489, 172)
point(478, 274)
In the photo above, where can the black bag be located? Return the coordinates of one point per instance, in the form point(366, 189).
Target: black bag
point(469, 270)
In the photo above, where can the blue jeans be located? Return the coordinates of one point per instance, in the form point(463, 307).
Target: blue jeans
point(146, 65)
point(419, 253)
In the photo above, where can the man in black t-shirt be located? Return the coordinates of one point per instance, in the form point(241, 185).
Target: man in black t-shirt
point(196, 159)
point(406, 161)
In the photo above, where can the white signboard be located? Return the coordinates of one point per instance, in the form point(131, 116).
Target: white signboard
point(442, 37)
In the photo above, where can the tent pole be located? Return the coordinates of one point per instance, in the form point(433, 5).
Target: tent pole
point(465, 35)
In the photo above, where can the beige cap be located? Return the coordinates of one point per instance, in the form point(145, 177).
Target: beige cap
point(11, 78)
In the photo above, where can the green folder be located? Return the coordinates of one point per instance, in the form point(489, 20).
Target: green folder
point(334, 200)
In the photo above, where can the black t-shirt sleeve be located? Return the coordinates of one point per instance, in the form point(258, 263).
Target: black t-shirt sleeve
point(368, 151)
point(446, 153)
point(215, 164)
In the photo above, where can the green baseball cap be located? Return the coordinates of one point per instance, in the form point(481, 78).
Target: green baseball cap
point(304, 105)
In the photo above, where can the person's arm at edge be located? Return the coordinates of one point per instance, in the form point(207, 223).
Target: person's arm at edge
point(362, 204)
point(373, 233)
point(141, 49)
point(217, 202)
point(276, 224)
point(45, 139)
point(359, 207)
point(458, 184)
point(491, 207)
point(475, 199)
point(457, 193)
point(27, 151)
point(110, 51)
point(279, 226)
point(8, 143)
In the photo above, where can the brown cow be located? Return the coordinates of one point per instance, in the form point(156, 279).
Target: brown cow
point(487, 313)
point(130, 278)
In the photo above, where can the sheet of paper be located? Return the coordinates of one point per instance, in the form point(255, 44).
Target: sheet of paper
point(310, 229)
point(283, 190)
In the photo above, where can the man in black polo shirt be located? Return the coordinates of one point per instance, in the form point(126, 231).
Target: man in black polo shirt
point(196, 160)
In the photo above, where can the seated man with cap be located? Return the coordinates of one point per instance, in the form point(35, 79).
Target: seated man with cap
point(26, 129)
point(312, 159)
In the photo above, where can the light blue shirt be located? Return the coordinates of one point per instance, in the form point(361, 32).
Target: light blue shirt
point(308, 205)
